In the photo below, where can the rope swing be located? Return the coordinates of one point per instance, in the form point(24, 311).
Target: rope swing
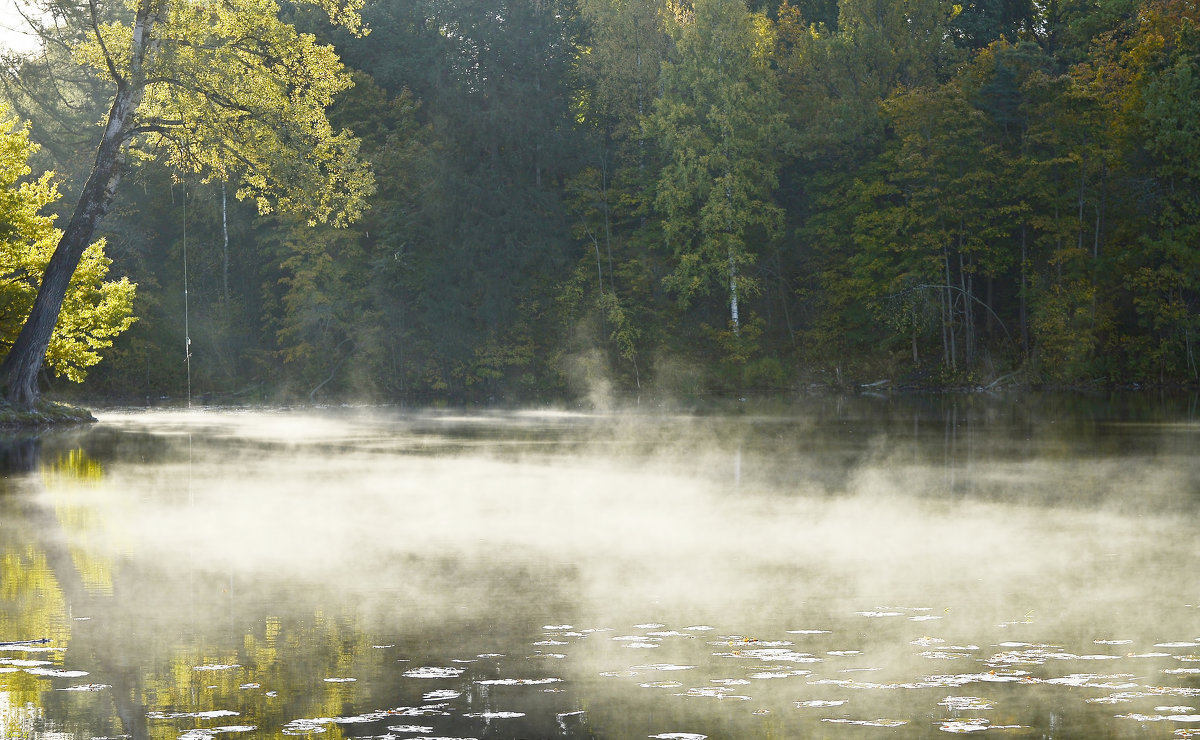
point(187, 337)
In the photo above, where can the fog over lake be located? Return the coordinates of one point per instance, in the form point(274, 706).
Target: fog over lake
point(862, 567)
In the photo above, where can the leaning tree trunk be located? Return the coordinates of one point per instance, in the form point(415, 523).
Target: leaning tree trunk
point(20, 369)
point(18, 373)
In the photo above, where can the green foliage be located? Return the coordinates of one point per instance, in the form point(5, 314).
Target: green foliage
point(721, 125)
point(577, 194)
point(95, 311)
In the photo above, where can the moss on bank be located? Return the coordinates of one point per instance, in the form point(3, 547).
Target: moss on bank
point(45, 413)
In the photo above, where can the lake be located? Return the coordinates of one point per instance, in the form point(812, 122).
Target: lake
point(859, 567)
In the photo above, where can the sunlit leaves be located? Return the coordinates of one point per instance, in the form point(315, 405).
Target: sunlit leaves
point(233, 92)
point(94, 311)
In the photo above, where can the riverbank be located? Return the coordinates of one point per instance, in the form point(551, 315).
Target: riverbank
point(45, 413)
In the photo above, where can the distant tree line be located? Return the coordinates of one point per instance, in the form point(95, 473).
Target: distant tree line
point(691, 196)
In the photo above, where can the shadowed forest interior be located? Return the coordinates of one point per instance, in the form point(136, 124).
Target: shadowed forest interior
point(576, 197)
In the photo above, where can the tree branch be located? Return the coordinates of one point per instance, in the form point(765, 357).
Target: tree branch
point(108, 60)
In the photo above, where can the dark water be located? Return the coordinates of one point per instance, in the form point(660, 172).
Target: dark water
point(858, 568)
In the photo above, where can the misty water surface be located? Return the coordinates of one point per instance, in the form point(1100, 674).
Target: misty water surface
point(906, 567)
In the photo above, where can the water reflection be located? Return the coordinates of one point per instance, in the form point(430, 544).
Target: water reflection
point(904, 567)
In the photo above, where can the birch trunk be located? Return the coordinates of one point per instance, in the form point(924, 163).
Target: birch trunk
point(734, 320)
point(19, 371)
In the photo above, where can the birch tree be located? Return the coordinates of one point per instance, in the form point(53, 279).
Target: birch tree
point(224, 89)
point(720, 124)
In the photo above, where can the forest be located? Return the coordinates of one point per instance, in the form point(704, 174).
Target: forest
point(574, 198)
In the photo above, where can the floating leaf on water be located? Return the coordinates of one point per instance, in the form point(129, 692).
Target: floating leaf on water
point(55, 673)
point(216, 667)
point(1113, 642)
point(1149, 655)
point(24, 662)
point(599, 629)
point(8, 669)
point(618, 674)
point(641, 645)
point(340, 680)
point(382, 647)
point(1181, 671)
point(1176, 644)
point(549, 642)
point(964, 725)
point(927, 641)
point(843, 653)
point(434, 672)
point(962, 679)
point(554, 656)
point(635, 638)
point(1174, 710)
point(441, 695)
point(714, 693)
point(965, 703)
point(761, 712)
point(410, 728)
point(661, 685)
point(86, 687)
point(943, 655)
point(428, 710)
point(272, 694)
point(925, 618)
point(1090, 679)
point(490, 655)
point(662, 667)
point(250, 686)
point(820, 703)
point(869, 722)
point(520, 681)
point(196, 715)
point(876, 614)
point(1118, 698)
point(649, 626)
point(202, 734)
point(776, 674)
point(557, 627)
point(699, 628)
point(809, 632)
point(466, 660)
point(669, 633)
point(494, 715)
point(773, 654)
point(679, 736)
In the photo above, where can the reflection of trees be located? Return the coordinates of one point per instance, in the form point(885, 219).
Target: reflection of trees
point(19, 454)
point(31, 607)
point(173, 637)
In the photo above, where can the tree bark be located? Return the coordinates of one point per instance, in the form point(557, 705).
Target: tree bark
point(19, 371)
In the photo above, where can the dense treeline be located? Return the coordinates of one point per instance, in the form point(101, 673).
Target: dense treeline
point(691, 196)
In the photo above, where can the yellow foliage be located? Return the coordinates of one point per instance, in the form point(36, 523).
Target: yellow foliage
point(232, 92)
point(94, 311)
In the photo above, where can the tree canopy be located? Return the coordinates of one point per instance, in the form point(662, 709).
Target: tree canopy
point(468, 200)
